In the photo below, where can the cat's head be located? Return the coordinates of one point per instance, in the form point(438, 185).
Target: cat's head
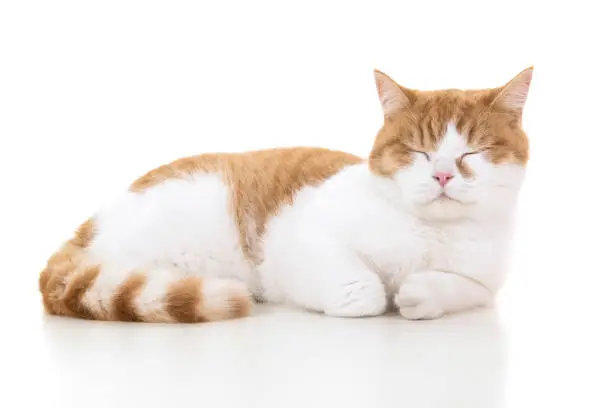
point(453, 153)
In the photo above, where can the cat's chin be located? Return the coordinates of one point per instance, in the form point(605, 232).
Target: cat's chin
point(445, 198)
point(445, 208)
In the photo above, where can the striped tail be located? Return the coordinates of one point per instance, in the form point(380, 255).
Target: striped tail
point(70, 287)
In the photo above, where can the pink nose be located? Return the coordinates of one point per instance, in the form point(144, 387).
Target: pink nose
point(443, 177)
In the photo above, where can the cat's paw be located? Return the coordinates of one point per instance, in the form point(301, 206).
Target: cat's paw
point(358, 298)
point(416, 299)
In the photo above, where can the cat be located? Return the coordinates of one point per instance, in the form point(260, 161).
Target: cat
point(421, 227)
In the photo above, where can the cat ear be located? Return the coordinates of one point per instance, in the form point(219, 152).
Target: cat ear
point(392, 98)
point(513, 95)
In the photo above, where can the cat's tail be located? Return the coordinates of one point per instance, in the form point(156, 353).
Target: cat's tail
point(72, 287)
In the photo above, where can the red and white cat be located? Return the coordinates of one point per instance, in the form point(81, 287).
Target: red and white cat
point(422, 225)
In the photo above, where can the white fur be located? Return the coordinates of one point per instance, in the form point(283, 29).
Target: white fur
point(178, 228)
point(357, 231)
point(348, 247)
point(150, 300)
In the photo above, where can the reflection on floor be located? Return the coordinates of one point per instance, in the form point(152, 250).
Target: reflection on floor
point(277, 358)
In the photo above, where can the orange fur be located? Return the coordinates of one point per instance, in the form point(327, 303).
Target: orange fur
point(123, 307)
point(418, 123)
point(261, 181)
point(183, 300)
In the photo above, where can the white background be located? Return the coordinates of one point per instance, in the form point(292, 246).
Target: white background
point(93, 94)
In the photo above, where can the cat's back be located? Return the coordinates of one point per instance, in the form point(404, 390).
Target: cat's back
point(271, 172)
point(220, 202)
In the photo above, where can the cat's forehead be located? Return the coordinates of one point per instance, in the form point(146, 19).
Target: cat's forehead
point(451, 142)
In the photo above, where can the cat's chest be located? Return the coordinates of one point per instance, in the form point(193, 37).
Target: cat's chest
point(422, 247)
point(443, 245)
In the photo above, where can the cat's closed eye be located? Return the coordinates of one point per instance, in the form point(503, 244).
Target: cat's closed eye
point(423, 153)
point(464, 155)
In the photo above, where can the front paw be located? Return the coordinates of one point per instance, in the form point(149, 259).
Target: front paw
point(358, 298)
point(416, 300)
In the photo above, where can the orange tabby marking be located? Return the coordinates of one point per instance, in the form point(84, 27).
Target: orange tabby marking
point(123, 306)
point(418, 123)
point(260, 181)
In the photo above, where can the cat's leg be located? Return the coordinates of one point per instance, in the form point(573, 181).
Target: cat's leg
point(353, 292)
point(432, 294)
point(327, 280)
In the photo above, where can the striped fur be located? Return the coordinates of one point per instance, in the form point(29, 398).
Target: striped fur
point(63, 285)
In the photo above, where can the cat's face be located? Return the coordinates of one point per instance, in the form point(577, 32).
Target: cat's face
point(453, 153)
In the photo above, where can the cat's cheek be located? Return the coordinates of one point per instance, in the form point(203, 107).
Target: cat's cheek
point(475, 166)
point(416, 184)
point(495, 187)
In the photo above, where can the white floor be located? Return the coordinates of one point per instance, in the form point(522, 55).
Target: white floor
point(276, 358)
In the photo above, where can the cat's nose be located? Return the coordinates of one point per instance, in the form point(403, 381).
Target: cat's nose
point(443, 177)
